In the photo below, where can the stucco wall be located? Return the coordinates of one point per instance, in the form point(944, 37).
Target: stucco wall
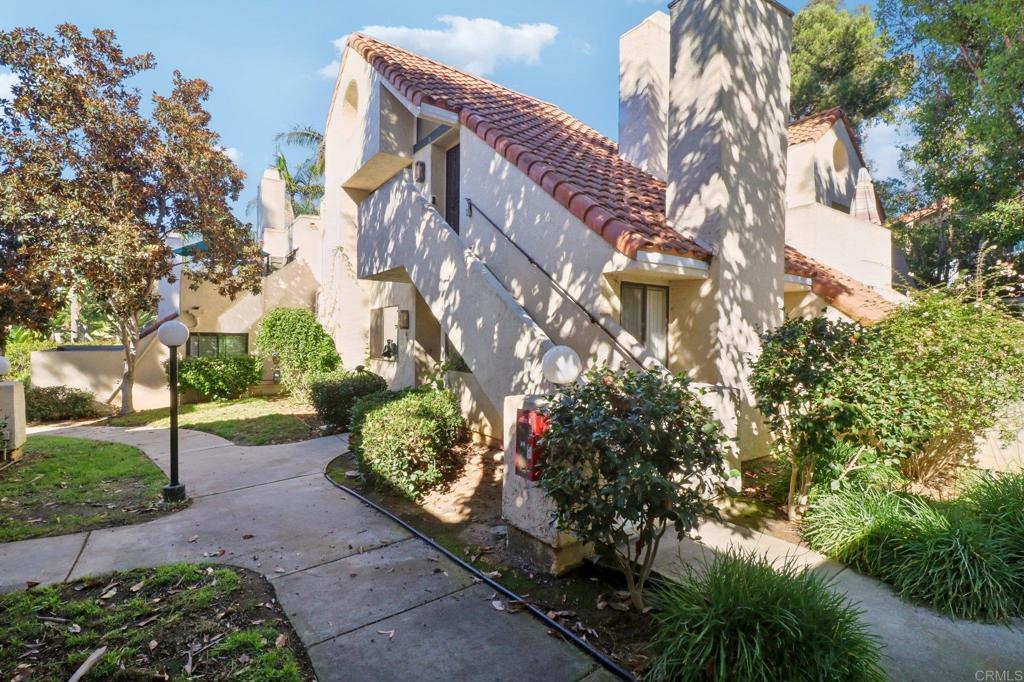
point(98, 370)
point(813, 177)
point(858, 248)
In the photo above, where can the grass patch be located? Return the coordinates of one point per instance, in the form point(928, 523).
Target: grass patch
point(743, 618)
point(250, 421)
point(65, 485)
point(150, 624)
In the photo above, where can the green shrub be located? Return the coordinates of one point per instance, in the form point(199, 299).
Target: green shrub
point(221, 378)
point(57, 403)
point(20, 355)
point(405, 439)
point(300, 344)
point(333, 395)
point(618, 446)
point(912, 393)
point(961, 558)
point(741, 618)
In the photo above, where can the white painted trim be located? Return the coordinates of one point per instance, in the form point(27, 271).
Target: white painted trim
point(671, 261)
point(796, 279)
point(428, 111)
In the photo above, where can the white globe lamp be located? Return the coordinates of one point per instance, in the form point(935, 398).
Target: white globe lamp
point(172, 334)
point(561, 365)
point(5, 366)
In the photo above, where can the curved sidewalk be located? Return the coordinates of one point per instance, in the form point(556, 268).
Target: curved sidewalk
point(343, 572)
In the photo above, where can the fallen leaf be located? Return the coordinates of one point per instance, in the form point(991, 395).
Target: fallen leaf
point(74, 628)
point(137, 586)
point(248, 536)
point(281, 641)
point(389, 633)
point(193, 538)
point(498, 605)
point(109, 593)
point(153, 644)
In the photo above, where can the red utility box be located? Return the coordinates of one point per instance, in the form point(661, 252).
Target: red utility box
point(530, 426)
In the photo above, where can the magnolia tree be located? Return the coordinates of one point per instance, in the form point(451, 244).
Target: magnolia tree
point(31, 292)
point(109, 179)
point(629, 456)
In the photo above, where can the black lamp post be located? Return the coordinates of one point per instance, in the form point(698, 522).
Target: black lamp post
point(173, 334)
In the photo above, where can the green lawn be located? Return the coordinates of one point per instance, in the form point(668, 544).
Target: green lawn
point(64, 485)
point(250, 421)
point(174, 622)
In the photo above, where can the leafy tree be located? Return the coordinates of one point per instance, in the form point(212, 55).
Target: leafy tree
point(78, 153)
point(627, 456)
point(967, 113)
point(31, 293)
point(840, 59)
point(306, 186)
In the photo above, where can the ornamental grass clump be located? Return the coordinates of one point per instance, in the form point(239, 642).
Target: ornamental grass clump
point(406, 439)
point(628, 456)
point(742, 618)
point(964, 558)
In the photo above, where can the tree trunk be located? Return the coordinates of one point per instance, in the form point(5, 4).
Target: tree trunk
point(75, 316)
point(130, 339)
point(794, 473)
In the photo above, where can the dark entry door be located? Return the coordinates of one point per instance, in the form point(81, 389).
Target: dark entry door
point(451, 191)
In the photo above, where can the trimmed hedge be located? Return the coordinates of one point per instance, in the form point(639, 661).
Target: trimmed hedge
point(964, 558)
point(333, 395)
point(405, 439)
point(224, 378)
point(743, 618)
point(58, 403)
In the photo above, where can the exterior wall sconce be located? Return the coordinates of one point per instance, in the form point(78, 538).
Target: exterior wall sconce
point(403, 319)
point(419, 174)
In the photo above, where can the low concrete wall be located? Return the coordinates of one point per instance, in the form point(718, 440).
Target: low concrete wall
point(12, 419)
point(97, 369)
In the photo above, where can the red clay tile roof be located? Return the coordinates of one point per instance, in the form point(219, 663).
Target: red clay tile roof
point(924, 212)
point(574, 163)
point(854, 299)
point(581, 168)
point(810, 128)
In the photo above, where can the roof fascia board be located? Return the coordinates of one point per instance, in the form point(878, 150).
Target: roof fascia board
point(427, 111)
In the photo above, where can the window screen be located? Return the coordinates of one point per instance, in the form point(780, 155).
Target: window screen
point(645, 316)
point(217, 345)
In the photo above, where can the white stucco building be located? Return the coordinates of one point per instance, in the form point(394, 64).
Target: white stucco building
point(461, 217)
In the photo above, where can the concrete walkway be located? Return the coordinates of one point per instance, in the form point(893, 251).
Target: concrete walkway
point(920, 645)
point(343, 572)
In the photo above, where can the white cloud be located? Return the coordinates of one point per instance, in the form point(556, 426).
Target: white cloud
point(7, 81)
point(883, 143)
point(330, 71)
point(232, 153)
point(476, 45)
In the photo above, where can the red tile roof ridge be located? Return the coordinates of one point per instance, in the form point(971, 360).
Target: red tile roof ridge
point(844, 293)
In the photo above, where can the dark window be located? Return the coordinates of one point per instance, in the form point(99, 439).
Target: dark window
point(217, 345)
point(451, 187)
point(645, 316)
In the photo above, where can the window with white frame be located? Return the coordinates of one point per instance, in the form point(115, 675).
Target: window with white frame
point(645, 316)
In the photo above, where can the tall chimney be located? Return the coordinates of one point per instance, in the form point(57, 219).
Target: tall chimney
point(643, 94)
point(728, 108)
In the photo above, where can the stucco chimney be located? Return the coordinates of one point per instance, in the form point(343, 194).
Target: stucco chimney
point(643, 94)
point(728, 107)
point(273, 211)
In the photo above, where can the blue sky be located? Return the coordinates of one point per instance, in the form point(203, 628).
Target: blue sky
point(267, 60)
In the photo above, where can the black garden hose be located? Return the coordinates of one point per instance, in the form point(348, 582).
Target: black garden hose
point(537, 613)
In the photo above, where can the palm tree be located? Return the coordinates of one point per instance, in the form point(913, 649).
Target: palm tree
point(306, 186)
point(303, 187)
